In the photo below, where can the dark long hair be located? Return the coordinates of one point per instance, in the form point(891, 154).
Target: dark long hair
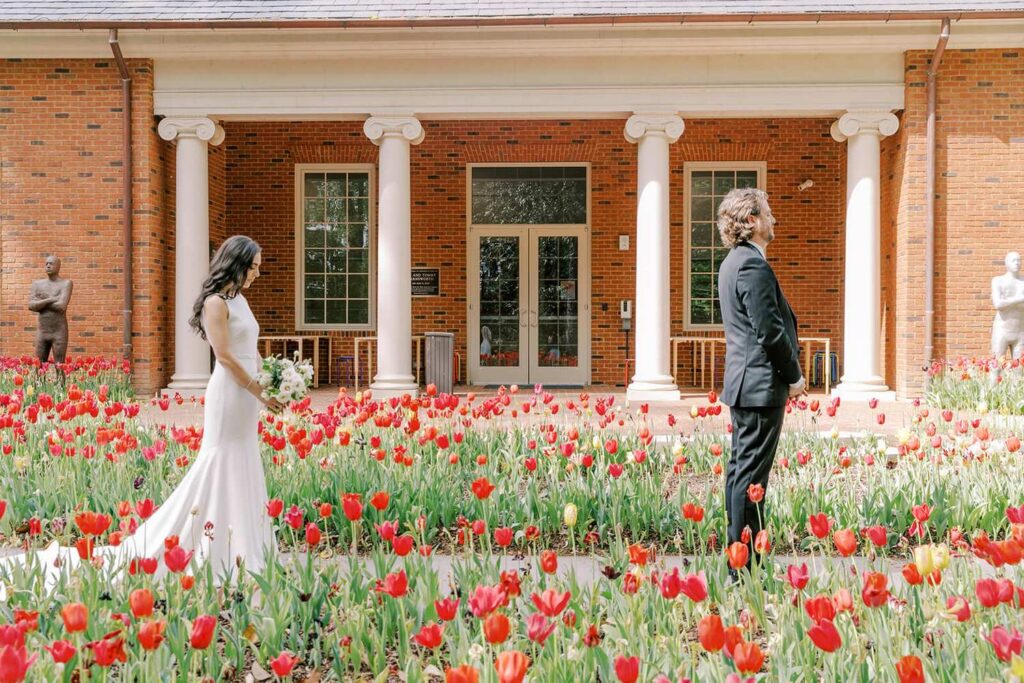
point(228, 269)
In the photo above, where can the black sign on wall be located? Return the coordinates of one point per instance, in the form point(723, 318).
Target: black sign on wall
point(426, 282)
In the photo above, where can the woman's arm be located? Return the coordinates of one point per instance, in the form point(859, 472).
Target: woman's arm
point(215, 321)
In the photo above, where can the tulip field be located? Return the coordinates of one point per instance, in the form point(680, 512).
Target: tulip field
point(890, 556)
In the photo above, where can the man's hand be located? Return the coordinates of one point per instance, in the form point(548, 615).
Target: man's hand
point(798, 389)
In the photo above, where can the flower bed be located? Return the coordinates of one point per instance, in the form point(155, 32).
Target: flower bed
point(982, 385)
point(487, 478)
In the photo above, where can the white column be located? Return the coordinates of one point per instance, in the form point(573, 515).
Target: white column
point(862, 342)
point(653, 134)
point(394, 135)
point(191, 243)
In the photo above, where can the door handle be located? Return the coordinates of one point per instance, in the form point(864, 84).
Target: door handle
point(523, 321)
point(533, 323)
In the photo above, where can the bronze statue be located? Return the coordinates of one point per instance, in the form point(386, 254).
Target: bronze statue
point(50, 299)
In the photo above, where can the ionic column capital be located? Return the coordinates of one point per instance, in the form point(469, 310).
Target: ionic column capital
point(665, 124)
point(880, 123)
point(204, 129)
point(407, 127)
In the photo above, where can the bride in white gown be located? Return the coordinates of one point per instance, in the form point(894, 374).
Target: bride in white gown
point(218, 511)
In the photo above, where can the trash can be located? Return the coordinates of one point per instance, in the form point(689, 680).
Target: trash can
point(440, 351)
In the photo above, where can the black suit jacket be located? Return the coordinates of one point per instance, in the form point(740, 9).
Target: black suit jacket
point(760, 332)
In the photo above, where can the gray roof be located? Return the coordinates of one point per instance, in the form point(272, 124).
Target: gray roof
point(95, 12)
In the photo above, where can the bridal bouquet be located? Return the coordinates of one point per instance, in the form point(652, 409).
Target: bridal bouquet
point(284, 379)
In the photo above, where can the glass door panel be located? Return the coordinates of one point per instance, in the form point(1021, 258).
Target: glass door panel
point(556, 296)
point(498, 324)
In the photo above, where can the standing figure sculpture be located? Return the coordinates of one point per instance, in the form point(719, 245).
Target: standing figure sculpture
point(1008, 298)
point(50, 298)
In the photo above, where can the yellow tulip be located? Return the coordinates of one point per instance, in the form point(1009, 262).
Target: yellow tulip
point(693, 411)
point(569, 515)
point(940, 556)
point(924, 560)
point(1017, 667)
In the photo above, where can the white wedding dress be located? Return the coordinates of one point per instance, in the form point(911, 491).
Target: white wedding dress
point(225, 487)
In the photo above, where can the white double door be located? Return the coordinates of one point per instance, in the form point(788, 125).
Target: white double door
point(529, 305)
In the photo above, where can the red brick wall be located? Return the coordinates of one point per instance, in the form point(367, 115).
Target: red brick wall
point(807, 254)
point(60, 150)
point(980, 190)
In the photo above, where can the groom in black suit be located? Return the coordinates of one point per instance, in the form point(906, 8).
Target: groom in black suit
point(761, 366)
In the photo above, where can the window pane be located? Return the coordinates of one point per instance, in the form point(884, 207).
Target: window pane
point(724, 181)
point(358, 185)
point(314, 287)
point(700, 261)
point(314, 312)
point(336, 287)
point(702, 209)
point(746, 179)
point(336, 212)
point(314, 261)
point(358, 312)
point(357, 210)
point(314, 184)
point(359, 286)
point(358, 261)
point(700, 286)
point(336, 312)
point(335, 184)
point(529, 195)
point(358, 235)
point(700, 234)
point(335, 261)
point(337, 236)
point(315, 235)
point(314, 210)
point(701, 183)
point(700, 311)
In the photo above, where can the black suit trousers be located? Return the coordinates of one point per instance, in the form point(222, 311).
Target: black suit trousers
point(755, 436)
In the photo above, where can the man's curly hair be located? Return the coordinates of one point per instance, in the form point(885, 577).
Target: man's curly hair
point(734, 214)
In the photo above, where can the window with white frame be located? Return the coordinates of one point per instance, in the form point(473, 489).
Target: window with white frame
point(706, 186)
point(334, 246)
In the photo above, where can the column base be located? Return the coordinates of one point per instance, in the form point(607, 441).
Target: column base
point(394, 387)
point(863, 391)
point(652, 390)
point(187, 385)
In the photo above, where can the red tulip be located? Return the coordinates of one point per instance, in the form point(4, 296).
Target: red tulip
point(294, 517)
point(446, 609)
point(395, 585)
point(627, 669)
point(430, 635)
point(538, 628)
point(511, 666)
point(151, 634)
point(482, 488)
point(819, 525)
point(846, 542)
point(551, 602)
point(3, 508)
point(402, 545)
point(798, 576)
point(92, 523)
point(733, 637)
point(695, 587)
point(755, 492)
point(203, 628)
point(987, 591)
point(1005, 643)
point(141, 602)
point(26, 620)
point(485, 599)
point(825, 635)
point(284, 663)
point(274, 507)
point(177, 559)
point(503, 537)
point(875, 592)
point(912, 575)
point(877, 535)
point(61, 650)
point(145, 508)
point(312, 534)
point(75, 616)
point(958, 607)
point(496, 628)
point(352, 506)
point(549, 562)
point(748, 658)
point(820, 607)
point(326, 510)
point(910, 670)
point(738, 554)
point(14, 663)
point(711, 633)
point(762, 544)
point(108, 651)
point(380, 500)
point(462, 674)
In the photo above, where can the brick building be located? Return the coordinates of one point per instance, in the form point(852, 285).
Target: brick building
point(512, 173)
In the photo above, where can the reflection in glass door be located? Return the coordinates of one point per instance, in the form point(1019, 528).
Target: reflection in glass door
point(529, 317)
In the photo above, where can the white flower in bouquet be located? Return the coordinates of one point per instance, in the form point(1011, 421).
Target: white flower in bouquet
point(284, 379)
